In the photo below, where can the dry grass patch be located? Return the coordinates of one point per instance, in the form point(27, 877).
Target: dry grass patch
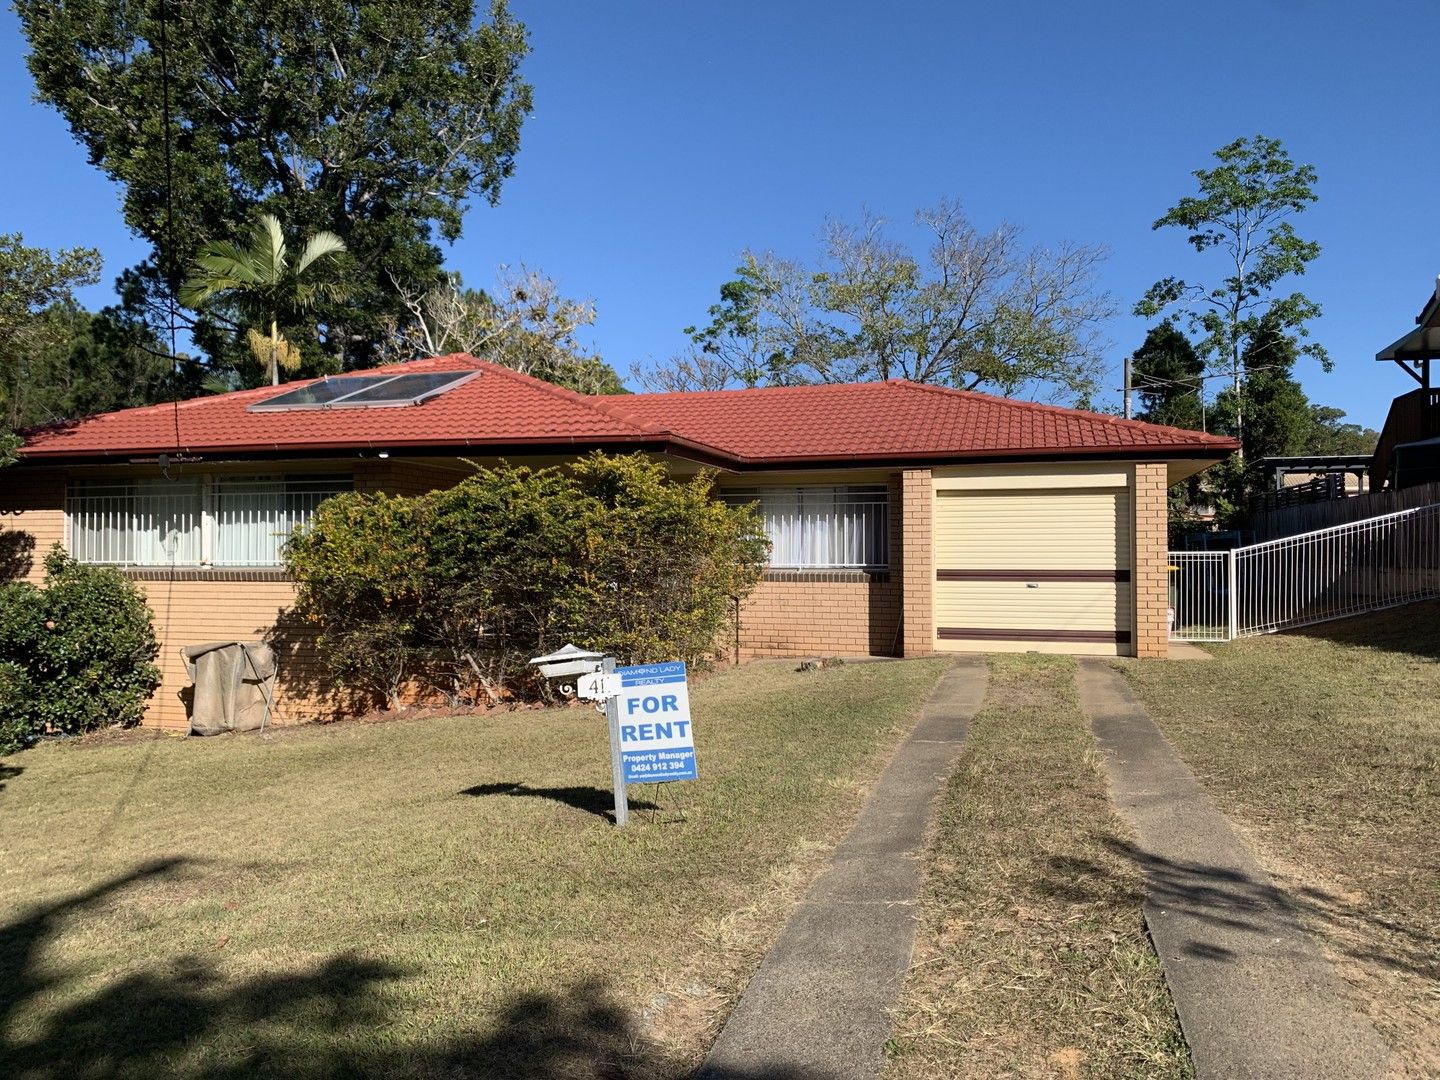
point(431, 898)
point(1033, 959)
point(1323, 746)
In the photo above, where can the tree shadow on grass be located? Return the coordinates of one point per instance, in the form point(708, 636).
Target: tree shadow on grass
point(1226, 899)
point(592, 800)
point(341, 1016)
point(1410, 628)
point(9, 772)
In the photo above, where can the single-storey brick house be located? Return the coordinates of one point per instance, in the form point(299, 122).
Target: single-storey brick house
point(904, 519)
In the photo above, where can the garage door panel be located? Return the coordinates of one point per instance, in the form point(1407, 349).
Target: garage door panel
point(1034, 569)
point(1017, 530)
point(1074, 605)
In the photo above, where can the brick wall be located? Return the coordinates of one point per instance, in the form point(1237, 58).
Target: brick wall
point(827, 613)
point(193, 606)
point(404, 477)
point(1152, 633)
point(192, 612)
point(821, 613)
point(917, 565)
point(32, 521)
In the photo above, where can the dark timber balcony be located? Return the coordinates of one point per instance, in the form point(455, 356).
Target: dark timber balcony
point(1413, 416)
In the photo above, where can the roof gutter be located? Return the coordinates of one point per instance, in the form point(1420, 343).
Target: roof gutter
point(679, 445)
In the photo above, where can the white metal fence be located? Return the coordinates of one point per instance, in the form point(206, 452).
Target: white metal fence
point(1310, 578)
point(1200, 595)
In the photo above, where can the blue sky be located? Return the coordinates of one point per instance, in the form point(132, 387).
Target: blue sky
point(667, 137)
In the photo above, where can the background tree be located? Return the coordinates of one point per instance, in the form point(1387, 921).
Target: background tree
point(1329, 435)
point(1168, 376)
point(32, 280)
point(975, 309)
point(260, 283)
point(94, 362)
point(1280, 421)
point(526, 325)
point(377, 120)
point(1243, 212)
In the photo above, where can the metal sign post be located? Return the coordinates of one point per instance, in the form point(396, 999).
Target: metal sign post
point(647, 708)
point(617, 766)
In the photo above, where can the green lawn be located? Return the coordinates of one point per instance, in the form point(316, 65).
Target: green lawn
point(424, 898)
point(1032, 958)
point(1323, 747)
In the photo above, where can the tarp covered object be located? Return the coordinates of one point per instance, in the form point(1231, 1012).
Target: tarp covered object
point(234, 684)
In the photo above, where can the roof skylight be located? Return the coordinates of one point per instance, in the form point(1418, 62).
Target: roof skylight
point(365, 391)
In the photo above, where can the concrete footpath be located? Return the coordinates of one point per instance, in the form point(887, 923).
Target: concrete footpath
point(1257, 999)
point(818, 1006)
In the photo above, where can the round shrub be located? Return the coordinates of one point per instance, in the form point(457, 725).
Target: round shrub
point(455, 590)
point(75, 655)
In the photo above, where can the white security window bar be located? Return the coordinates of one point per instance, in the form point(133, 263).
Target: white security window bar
point(135, 522)
point(815, 527)
point(229, 521)
point(253, 516)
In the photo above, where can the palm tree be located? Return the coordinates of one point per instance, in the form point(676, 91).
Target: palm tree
point(263, 284)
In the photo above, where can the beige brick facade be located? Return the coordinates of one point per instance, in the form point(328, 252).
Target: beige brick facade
point(191, 612)
point(917, 564)
point(32, 521)
point(821, 613)
point(1151, 557)
point(191, 605)
point(825, 612)
point(790, 613)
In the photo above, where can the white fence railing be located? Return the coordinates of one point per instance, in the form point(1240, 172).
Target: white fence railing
point(1310, 578)
point(1200, 595)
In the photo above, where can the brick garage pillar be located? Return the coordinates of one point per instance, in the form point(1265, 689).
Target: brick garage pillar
point(1152, 581)
point(917, 565)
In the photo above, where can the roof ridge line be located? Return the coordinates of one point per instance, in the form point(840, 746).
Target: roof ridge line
point(1067, 410)
point(562, 392)
point(594, 403)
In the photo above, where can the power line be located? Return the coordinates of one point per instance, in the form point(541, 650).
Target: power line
point(169, 270)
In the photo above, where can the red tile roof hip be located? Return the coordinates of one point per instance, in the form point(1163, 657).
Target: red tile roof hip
point(774, 425)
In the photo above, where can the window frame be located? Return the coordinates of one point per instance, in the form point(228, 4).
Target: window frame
point(207, 492)
point(874, 497)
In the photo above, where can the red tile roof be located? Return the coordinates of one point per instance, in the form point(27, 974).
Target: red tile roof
point(504, 409)
point(897, 419)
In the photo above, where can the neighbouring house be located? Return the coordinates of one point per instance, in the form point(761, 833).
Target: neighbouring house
point(1408, 453)
point(904, 519)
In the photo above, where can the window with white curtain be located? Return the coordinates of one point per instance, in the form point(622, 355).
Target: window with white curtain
point(152, 522)
point(818, 527)
point(255, 515)
point(240, 521)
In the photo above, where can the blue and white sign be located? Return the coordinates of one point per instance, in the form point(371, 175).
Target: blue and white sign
point(656, 740)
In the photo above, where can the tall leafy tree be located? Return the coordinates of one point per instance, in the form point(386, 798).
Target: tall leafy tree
point(32, 280)
point(377, 120)
point(1278, 418)
point(1242, 213)
point(974, 309)
point(1168, 376)
point(94, 362)
point(264, 286)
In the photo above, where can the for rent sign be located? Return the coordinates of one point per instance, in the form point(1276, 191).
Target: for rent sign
point(656, 740)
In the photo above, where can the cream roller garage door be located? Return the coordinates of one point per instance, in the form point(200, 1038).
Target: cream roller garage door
point(1035, 569)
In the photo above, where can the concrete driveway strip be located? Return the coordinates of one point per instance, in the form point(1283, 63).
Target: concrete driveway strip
point(818, 1006)
point(1256, 997)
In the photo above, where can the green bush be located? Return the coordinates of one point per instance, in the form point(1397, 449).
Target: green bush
point(457, 589)
point(75, 655)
